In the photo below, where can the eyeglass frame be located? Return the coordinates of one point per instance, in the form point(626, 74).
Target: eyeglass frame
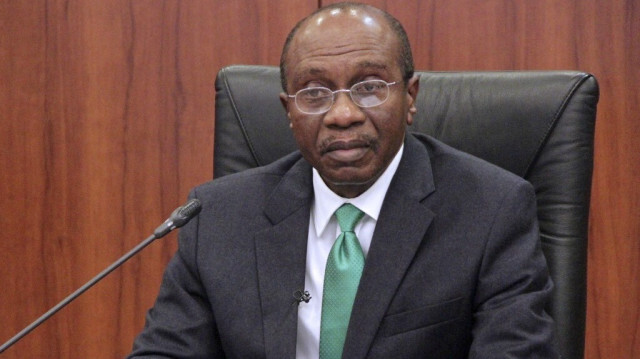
point(333, 95)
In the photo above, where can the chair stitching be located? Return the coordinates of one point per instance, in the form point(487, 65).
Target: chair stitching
point(555, 118)
point(239, 118)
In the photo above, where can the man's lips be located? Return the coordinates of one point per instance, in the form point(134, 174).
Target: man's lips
point(346, 151)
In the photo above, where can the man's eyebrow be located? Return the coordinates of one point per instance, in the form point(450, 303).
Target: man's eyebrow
point(307, 73)
point(311, 71)
point(318, 72)
point(370, 64)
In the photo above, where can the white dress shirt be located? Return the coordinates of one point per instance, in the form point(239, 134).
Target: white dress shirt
point(323, 232)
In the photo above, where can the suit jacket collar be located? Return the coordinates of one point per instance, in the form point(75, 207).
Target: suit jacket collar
point(281, 252)
point(281, 258)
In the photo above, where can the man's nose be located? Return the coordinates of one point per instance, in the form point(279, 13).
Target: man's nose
point(344, 112)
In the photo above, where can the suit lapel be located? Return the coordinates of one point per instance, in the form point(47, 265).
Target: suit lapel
point(401, 227)
point(281, 256)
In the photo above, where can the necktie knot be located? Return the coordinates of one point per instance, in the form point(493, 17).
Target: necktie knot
point(348, 216)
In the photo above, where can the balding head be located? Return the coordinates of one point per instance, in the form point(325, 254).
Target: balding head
point(404, 56)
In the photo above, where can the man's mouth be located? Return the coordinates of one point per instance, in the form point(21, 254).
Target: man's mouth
point(346, 151)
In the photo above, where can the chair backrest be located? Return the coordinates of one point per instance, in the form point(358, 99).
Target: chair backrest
point(538, 125)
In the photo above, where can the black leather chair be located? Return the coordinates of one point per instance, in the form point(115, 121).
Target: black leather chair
point(538, 125)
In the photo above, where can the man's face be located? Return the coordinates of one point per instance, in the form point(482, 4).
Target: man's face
point(348, 145)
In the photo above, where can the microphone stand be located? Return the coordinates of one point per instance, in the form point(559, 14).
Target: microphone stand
point(77, 293)
point(178, 218)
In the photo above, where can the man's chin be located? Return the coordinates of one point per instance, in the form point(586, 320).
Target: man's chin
point(349, 184)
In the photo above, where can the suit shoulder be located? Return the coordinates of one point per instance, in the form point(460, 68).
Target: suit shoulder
point(251, 179)
point(450, 161)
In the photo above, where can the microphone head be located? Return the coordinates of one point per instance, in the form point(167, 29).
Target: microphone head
point(179, 217)
point(184, 213)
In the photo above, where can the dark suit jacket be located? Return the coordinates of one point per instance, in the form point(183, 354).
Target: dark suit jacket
point(454, 270)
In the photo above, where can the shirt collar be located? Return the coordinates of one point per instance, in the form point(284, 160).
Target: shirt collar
point(326, 202)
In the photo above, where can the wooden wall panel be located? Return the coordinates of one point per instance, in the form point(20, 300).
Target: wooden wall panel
point(612, 48)
point(22, 169)
point(106, 122)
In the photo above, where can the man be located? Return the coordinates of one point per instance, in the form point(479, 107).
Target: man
point(442, 258)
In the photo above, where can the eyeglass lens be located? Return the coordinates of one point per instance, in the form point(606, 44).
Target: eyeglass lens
point(316, 100)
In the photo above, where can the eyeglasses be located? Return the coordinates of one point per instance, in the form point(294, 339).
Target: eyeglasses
point(317, 100)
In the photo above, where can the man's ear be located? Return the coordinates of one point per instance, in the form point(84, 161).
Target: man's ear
point(284, 100)
point(412, 94)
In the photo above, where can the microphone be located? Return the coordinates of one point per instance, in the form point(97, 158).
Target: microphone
point(301, 296)
point(178, 218)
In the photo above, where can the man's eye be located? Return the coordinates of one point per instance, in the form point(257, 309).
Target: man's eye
point(315, 92)
point(368, 87)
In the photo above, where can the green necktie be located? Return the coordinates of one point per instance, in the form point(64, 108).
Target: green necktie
point(341, 279)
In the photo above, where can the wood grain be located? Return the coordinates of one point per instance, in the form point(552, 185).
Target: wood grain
point(106, 122)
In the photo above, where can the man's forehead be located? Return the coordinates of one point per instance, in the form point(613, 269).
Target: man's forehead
point(360, 38)
point(318, 70)
point(340, 31)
